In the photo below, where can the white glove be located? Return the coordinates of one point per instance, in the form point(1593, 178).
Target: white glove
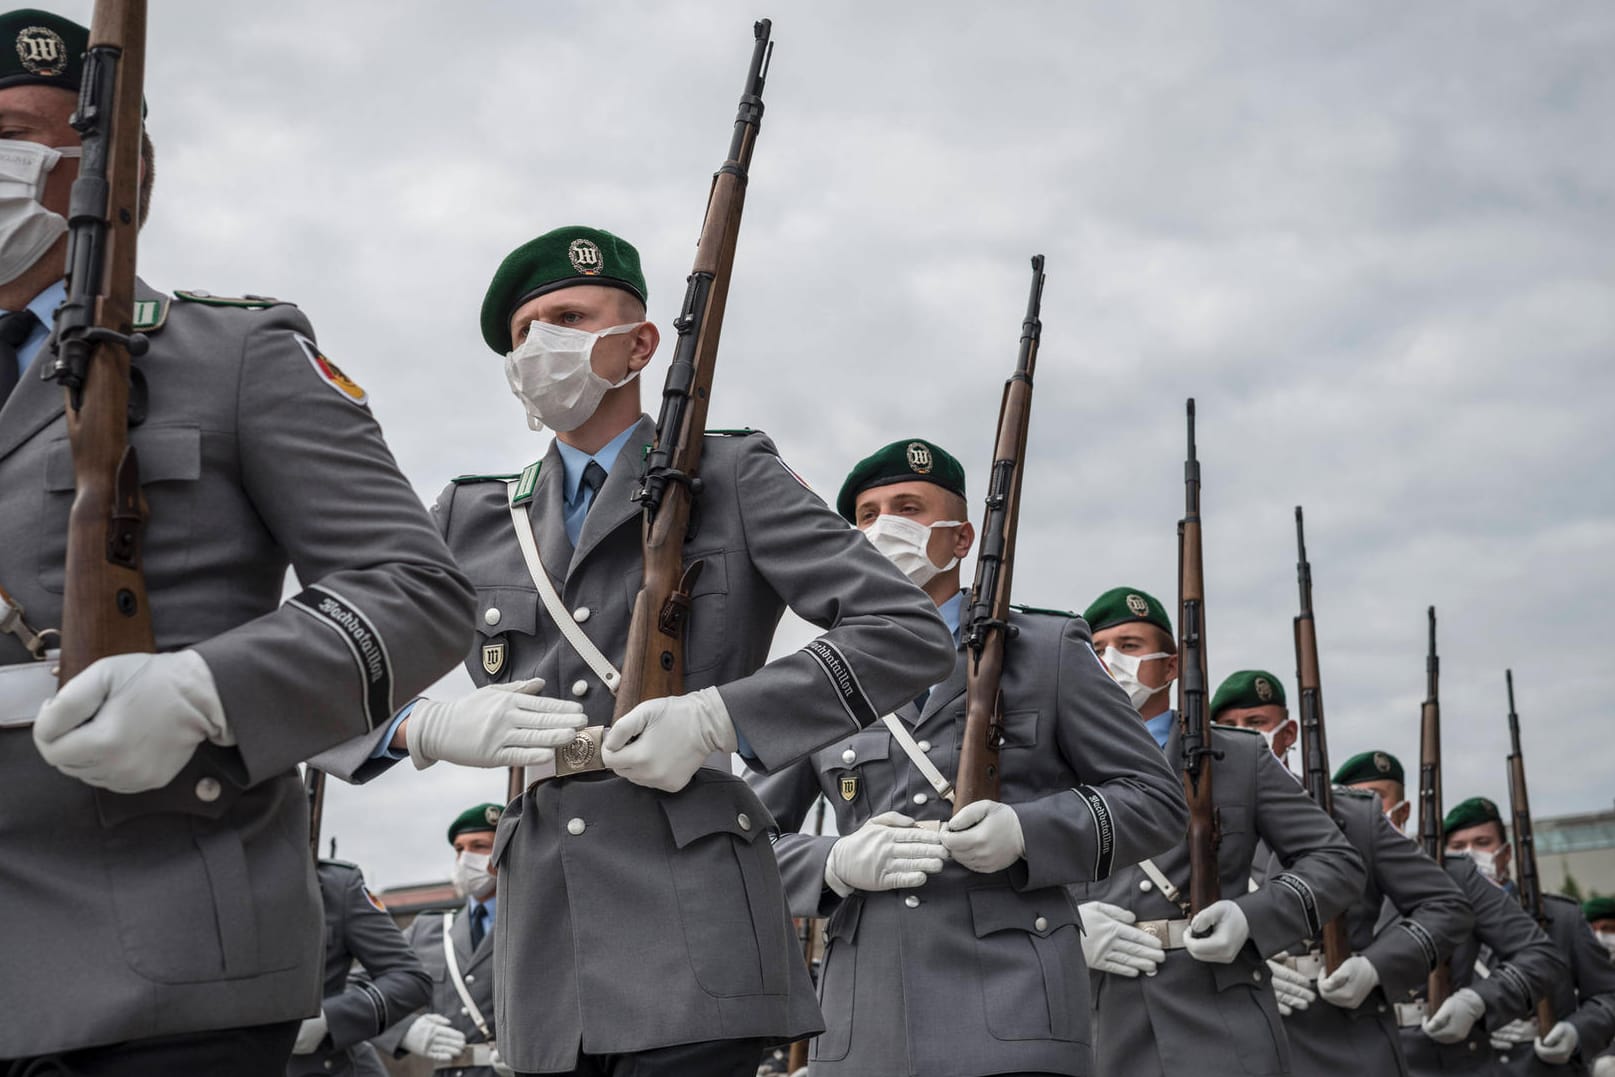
point(1452, 1022)
point(149, 713)
point(498, 725)
point(497, 1061)
point(1559, 1044)
point(985, 836)
point(431, 1036)
point(1111, 944)
point(1518, 1031)
point(1348, 985)
point(887, 853)
point(662, 742)
point(1604, 1066)
point(309, 1034)
point(1218, 933)
point(1294, 991)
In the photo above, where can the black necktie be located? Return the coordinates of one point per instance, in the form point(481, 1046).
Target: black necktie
point(594, 477)
point(479, 924)
point(15, 328)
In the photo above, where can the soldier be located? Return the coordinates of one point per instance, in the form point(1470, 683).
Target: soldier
point(357, 929)
point(1583, 1002)
point(456, 1031)
point(152, 857)
point(1497, 972)
point(1205, 1004)
point(1600, 914)
point(1355, 1020)
point(954, 947)
point(644, 926)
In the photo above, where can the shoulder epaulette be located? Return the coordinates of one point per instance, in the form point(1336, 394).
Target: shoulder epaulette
point(742, 432)
point(1561, 897)
point(461, 480)
point(327, 862)
point(150, 314)
point(251, 302)
point(1040, 609)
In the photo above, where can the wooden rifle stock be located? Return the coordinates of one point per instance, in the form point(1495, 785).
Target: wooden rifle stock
point(1525, 843)
point(1195, 731)
point(314, 790)
point(1314, 739)
point(987, 625)
point(104, 607)
point(1432, 831)
point(798, 1057)
point(653, 665)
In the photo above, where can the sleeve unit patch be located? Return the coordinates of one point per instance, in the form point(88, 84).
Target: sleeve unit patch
point(1104, 830)
point(363, 642)
point(331, 374)
point(844, 681)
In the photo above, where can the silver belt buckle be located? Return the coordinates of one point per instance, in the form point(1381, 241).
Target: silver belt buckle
point(1160, 929)
point(582, 755)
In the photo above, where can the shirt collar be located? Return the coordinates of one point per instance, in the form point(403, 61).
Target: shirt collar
point(1160, 726)
point(44, 307)
point(949, 612)
point(471, 905)
point(574, 460)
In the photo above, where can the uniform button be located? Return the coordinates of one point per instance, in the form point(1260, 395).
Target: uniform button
point(1040, 924)
point(208, 790)
point(574, 826)
point(924, 745)
point(465, 1011)
point(580, 614)
point(921, 798)
point(912, 902)
point(849, 757)
point(470, 977)
point(330, 1064)
point(491, 615)
point(1382, 1007)
point(580, 688)
point(744, 820)
point(1145, 885)
point(1256, 976)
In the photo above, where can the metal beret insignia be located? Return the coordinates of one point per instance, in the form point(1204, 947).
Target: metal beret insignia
point(42, 51)
point(491, 815)
point(1382, 762)
point(586, 257)
point(919, 458)
point(1137, 604)
point(1264, 690)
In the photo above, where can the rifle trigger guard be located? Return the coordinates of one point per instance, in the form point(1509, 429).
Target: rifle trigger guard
point(676, 610)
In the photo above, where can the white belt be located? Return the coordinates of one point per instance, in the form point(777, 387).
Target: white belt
point(1410, 1014)
point(1310, 965)
point(475, 1054)
point(1169, 933)
point(23, 688)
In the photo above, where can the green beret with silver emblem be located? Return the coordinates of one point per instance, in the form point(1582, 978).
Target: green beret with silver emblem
point(560, 259)
point(1248, 688)
point(1120, 605)
point(482, 817)
point(1370, 767)
point(909, 460)
point(46, 50)
point(1599, 908)
point(1476, 811)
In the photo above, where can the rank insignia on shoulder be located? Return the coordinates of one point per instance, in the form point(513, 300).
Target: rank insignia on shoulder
point(251, 302)
point(331, 374)
point(523, 493)
point(849, 787)
point(149, 315)
point(493, 657)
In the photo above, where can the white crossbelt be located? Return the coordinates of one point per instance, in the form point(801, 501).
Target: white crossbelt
point(558, 612)
point(1163, 884)
point(921, 761)
point(24, 687)
point(453, 964)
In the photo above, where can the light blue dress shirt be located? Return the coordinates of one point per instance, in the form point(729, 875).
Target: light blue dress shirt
point(576, 497)
point(44, 307)
point(1161, 726)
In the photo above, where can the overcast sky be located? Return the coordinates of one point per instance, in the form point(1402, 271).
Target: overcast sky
point(1372, 239)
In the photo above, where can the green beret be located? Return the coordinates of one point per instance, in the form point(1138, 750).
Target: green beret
point(1599, 908)
point(1248, 688)
point(1473, 812)
point(560, 259)
point(909, 460)
point(46, 49)
point(1370, 767)
point(1120, 605)
point(482, 817)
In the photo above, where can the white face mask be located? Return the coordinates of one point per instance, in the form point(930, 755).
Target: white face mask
point(1608, 939)
point(1124, 669)
point(1401, 828)
point(471, 877)
point(1270, 734)
point(27, 228)
point(1485, 860)
point(550, 374)
point(904, 543)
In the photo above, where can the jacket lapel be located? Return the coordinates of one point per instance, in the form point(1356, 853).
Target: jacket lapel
point(545, 511)
point(32, 406)
point(945, 693)
point(614, 505)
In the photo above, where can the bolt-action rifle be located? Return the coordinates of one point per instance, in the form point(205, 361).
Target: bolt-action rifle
point(1205, 831)
point(1432, 831)
point(1525, 842)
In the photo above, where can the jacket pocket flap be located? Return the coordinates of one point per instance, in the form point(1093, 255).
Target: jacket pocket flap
point(163, 453)
point(517, 610)
point(1036, 913)
point(715, 807)
point(873, 744)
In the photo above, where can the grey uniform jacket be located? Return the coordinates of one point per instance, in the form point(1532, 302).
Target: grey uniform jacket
point(1585, 998)
point(394, 982)
point(425, 935)
point(194, 906)
point(1193, 1017)
point(631, 919)
point(1521, 965)
point(1433, 918)
point(978, 974)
